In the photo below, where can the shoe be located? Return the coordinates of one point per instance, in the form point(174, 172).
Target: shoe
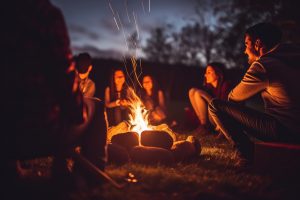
point(195, 142)
point(243, 162)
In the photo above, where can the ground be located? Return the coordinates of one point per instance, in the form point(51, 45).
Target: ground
point(212, 175)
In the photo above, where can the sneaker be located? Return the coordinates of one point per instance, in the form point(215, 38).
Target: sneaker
point(195, 142)
point(243, 162)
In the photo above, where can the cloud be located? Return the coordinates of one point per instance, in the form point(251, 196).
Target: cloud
point(77, 29)
point(98, 53)
point(109, 25)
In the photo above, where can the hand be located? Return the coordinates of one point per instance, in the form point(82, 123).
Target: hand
point(118, 102)
point(124, 102)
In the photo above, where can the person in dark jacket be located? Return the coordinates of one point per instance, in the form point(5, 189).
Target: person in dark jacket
point(274, 74)
point(45, 112)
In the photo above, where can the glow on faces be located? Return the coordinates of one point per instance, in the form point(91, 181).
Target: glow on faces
point(250, 50)
point(119, 77)
point(210, 75)
point(147, 83)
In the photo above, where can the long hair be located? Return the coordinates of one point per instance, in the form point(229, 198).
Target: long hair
point(219, 69)
point(112, 86)
point(155, 88)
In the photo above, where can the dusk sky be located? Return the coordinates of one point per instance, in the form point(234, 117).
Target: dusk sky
point(92, 27)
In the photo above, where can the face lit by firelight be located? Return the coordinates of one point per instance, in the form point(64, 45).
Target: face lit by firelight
point(147, 83)
point(250, 50)
point(210, 75)
point(119, 77)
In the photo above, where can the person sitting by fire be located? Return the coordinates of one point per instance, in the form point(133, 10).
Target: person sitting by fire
point(83, 68)
point(214, 86)
point(116, 98)
point(153, 99)
point(273, 73)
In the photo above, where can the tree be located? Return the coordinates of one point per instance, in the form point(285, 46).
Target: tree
point(158, 47)
point(242, 14)
point(133, 44)
point(198, 42)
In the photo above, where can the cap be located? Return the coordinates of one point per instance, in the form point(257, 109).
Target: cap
point(83, 61)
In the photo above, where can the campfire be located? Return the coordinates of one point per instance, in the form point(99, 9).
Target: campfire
point(138, 120)
point(138, 141)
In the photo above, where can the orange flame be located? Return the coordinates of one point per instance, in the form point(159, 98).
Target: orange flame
point(138, 117)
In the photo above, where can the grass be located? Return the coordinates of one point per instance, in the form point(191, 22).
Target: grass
point(212, 175)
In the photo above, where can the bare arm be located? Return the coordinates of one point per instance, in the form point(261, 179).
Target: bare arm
point(108, 103)
point(161, 99)
point(254, 81)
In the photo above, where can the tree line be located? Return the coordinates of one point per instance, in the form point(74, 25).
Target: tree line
point(216, 32)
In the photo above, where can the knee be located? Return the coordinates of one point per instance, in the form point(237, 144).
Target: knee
point(192, 92)
point(199, 93)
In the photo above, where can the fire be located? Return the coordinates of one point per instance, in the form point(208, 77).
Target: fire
point(138, 120)
point(138, 117)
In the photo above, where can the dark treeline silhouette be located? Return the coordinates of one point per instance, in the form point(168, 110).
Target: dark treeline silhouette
point(215, 33)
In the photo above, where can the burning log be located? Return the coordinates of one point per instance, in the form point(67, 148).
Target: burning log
point(151, 155)
point(122, 127)
point(156, 139)
point(126, 140)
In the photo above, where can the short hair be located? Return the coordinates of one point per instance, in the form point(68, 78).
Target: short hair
point(83, 61)
point(269, 34)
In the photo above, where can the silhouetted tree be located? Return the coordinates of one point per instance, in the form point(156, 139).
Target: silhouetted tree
point(133, 44)
point(158, 47)
point(242, 14)
point(217, 31)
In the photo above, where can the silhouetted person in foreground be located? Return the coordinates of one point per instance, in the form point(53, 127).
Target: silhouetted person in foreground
point(44, 110)
point(274, 73)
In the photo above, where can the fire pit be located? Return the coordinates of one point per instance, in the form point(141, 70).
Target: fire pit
point(138, 141)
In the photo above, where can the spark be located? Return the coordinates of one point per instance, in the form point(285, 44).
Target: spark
point(128, 74)
point(112, 10)
point(113, 13)
point(116, 23)
point(134, 66)
point(149, 6)
point(126, 6)
point(123, 31)
point(143, 6)
point(136, 26)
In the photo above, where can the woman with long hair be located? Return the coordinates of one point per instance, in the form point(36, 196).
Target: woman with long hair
point(153, 99)
point(116, 98)
point(214, 86)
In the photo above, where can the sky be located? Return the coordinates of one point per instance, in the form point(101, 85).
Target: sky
point(101, 26)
